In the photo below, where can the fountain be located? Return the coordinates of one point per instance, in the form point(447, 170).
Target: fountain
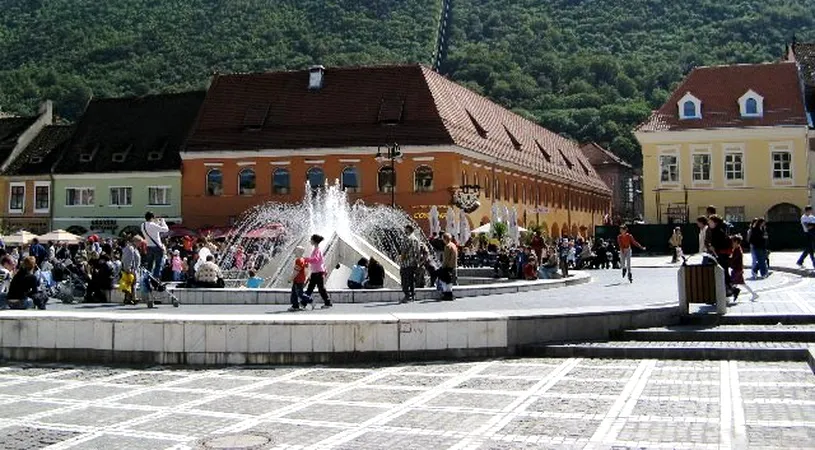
point(271, 232)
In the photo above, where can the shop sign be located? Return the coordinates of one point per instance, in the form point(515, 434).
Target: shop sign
point(104, 225)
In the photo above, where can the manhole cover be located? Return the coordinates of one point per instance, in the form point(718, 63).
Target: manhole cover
point(236, 442)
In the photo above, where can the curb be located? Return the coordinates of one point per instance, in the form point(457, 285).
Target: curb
point(719, 336)
point(671, 353)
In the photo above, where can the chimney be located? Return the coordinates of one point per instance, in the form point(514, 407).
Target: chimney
point(315, 77)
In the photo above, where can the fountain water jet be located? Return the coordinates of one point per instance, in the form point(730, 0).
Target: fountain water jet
point(272, 231)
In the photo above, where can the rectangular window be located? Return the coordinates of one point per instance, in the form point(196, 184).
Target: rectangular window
point(734, 214)
point(734, 166)
point(782, 165)
point(17, 198)
point(669, 169)
point(701, 167)
point(158, 195)
point(42, 198)
point(79, 196)
point(121, 196)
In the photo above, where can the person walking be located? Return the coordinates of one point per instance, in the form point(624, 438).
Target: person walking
point(449, 263)
point(722, 248)
point(737, 269)
point(131, 261)
point(317, 266)
point(151, 229)
point(808, 226)
point(409, 259)
point(625, 241)
point(757, 238)
point(298, 281)
point(675, 243)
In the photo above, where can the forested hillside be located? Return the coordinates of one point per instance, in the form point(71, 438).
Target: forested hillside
point(589, 69)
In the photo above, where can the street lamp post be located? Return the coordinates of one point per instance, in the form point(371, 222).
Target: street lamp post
point(393, 153)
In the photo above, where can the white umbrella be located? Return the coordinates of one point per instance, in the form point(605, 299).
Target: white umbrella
point(486, 228)
point(60, 236)
point(514, 233)
point(21, 237)
point(433, 217)
point(463, 228)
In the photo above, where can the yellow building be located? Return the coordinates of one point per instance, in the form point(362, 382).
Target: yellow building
point(730, 136)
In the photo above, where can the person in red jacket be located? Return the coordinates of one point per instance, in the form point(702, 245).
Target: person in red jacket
point(625, 241)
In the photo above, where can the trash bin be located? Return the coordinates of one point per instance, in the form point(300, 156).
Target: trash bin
point(701, 283)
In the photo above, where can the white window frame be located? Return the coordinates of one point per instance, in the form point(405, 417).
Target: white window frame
point(759, 104)
point(674, 152)
point(39, 184)
point(168, 196)
point(688, 97)
point(110, 193)
point(730, 218)
point(734, 149)
point(80, 188)
point(700, 151)
point(11, 186)
point(782, 147)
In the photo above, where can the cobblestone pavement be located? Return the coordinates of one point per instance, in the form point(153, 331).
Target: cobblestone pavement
point(500, 405)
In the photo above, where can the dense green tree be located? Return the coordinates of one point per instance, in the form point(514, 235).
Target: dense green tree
point(589, 70)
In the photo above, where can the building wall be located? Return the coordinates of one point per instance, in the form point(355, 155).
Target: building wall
point(757, 193)
point(30, 218)
point(449, 169)
point(66, 216)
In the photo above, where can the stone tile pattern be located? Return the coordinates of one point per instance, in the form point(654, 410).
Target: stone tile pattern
point(502, 404)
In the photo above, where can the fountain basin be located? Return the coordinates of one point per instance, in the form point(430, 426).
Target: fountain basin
point(278, 296)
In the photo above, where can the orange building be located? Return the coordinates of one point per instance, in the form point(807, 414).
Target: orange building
point(259, 137)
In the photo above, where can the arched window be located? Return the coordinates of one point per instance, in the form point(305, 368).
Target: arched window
point(751, 107)
point(423, 179)
point(515, 192)
point(316, 177)
point(350, 179)
point(523, 193)
point(281, 181)
point(215, 182)
point(463, 177)
point(689, 109)
point(386, 179)
point(486, 187)
point(506, 190)
point(246, 182)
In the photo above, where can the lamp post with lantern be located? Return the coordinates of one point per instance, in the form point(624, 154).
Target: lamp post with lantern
point(392, 153)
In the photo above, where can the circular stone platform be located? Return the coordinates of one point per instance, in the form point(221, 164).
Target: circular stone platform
point(483, 326)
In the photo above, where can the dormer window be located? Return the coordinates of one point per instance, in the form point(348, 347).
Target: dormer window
point(86, 155)
point(119, 157)
point(690, 107)
point(751, 104)
point(515, 142)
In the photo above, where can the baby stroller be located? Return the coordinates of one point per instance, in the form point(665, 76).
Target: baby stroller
point(70, 283)
point(155, 291)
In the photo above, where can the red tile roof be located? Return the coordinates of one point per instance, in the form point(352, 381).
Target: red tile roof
point(276, 110)
point(720, 87)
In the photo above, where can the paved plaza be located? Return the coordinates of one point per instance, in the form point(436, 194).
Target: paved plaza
point(568, 403)
point(507, 404)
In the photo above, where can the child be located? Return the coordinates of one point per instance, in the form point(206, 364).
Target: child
point(737, 269)
point(254, 282)
point(359, 273)
point(317, 278)
point(298, 280)
point(176, 265)
point(625, 240)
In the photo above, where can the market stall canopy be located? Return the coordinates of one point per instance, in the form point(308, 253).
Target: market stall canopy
point(60, 236)
point(21, 237)
point(487, 227)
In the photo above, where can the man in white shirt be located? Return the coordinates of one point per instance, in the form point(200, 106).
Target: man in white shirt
point(808, 226)
point(152, 229)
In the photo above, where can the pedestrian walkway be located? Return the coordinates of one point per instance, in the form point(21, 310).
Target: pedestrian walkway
point(493, 405)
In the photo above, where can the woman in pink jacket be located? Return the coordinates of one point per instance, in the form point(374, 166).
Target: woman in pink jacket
point(317, 267)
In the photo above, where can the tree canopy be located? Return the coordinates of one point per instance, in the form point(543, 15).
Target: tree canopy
point(588, 69)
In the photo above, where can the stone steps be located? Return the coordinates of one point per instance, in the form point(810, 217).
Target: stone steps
point(759, 333)
point(684, 350)
point(714, 320)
